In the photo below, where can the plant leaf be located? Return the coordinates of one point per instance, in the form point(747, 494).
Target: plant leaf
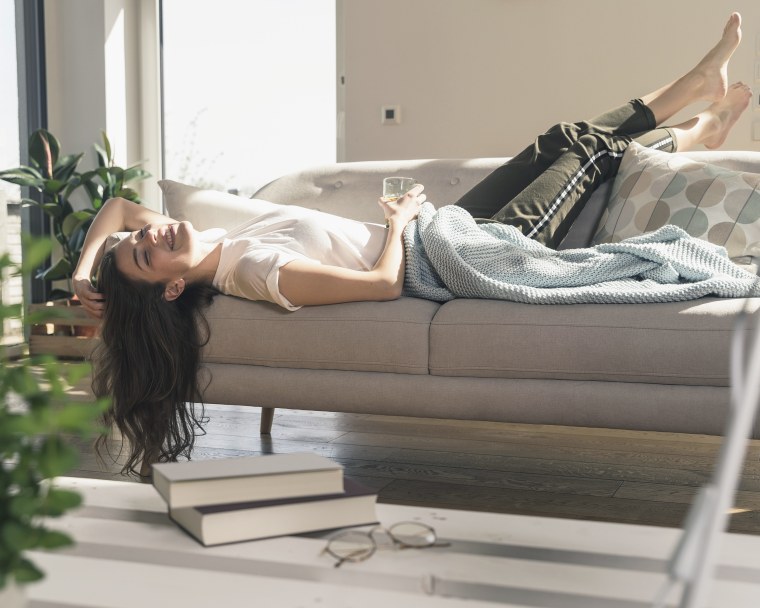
point(34, 252)
point(59, 501)
point(52, 539)
point(56, 457)
point(129, 194)
point(51, 209)
point(44, 150)
point(135, 174)
point(60, 270)
point(24, 506)
point(117, 172)
point(10, 311)
point(74, 221)
point(94, 192)
point(66, 166)
point(73, 183)
point(102, 156)
point(26, 572)
point(76, 418)
point(21, 178)
point(27, 170)
point(17, 536)
point(77, 241)
point(76, 371)
point(54, 186)
point(107, 145)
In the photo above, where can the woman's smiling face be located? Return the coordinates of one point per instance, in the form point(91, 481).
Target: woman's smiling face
point(158, 254)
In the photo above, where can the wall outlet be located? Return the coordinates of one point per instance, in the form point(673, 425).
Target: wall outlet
point(390, 115)
point(756, 130)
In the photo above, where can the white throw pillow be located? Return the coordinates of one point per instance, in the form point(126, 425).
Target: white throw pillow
point(654, 188)
point(204, 208)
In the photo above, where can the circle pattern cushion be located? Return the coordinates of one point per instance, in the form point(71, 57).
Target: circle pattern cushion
point(654, 188)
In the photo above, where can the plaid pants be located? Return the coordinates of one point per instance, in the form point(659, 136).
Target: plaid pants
point(542, 190)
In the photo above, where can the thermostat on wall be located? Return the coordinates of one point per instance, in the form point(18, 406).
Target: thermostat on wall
point(390, 115)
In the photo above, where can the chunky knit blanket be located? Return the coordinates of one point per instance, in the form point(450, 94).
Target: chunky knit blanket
point(449, 256)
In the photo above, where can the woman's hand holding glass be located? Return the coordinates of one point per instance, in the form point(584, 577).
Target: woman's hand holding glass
point(405, 208)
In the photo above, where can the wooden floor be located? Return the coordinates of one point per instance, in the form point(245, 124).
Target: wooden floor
point(609, 475)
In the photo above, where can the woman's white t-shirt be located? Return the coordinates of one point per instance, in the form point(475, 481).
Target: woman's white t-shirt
point(253, 252)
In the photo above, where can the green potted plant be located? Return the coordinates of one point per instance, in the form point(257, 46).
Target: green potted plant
point(56, 178)
point(71, 199)
point(35, 420)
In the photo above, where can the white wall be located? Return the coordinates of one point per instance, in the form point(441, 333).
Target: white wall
point(483, 77)
point(474, 78)
point(101, 68)
point(75, 64)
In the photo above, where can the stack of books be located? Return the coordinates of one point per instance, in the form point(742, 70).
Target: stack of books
point(238, 499)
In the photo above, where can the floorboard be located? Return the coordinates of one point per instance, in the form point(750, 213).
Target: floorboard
point(641, 477)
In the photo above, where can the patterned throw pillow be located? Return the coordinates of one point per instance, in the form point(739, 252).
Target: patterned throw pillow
point(655, 188)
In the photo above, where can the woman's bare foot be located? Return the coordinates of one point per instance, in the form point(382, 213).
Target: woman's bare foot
point(710, 128)
point(724, 113)
point(705, 82)
point(712, 71)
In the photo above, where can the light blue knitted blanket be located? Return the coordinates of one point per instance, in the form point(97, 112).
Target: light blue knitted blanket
point(449, 256)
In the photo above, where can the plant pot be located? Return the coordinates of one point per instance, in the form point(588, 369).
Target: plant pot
point(74, 337)
point(12, 595)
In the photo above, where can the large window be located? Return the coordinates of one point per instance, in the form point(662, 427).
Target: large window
point(11, 288)
point(248, 90)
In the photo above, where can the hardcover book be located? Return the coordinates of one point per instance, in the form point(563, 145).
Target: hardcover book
point(252, 478)
point(219, 524)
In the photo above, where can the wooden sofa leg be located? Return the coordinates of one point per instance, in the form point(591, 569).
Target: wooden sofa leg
point(267, 416)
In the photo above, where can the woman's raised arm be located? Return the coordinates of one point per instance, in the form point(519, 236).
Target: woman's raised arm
point(116, 215)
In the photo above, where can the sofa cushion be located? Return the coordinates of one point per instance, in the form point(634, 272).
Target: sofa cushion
point(653, 188)
point(672, 343)
point(204, 208)
point(365, 336)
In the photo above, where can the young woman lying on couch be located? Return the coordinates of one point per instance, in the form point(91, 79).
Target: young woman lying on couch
point(154, 284)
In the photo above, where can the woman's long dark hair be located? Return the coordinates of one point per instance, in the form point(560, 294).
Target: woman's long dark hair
point(148, 363)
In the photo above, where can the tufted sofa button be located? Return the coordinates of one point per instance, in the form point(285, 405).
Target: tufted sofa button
point(338, 184)
point(454, 181)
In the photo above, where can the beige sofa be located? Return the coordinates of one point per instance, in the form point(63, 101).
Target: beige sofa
point(660, 367)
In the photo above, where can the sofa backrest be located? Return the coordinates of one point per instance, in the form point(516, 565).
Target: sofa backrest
point(352, 189)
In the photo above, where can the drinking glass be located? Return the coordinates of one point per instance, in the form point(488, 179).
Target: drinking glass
point(396, 187)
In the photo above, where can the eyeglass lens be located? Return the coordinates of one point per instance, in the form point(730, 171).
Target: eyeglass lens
point(413, 534)
point(354, 546)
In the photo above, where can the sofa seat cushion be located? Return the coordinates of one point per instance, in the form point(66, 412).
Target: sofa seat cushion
point(670, 343)
point(362, 336)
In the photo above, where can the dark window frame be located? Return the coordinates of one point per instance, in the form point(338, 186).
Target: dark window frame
point(32, 98)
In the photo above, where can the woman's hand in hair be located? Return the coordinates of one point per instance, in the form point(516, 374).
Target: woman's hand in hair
point(92, 301)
